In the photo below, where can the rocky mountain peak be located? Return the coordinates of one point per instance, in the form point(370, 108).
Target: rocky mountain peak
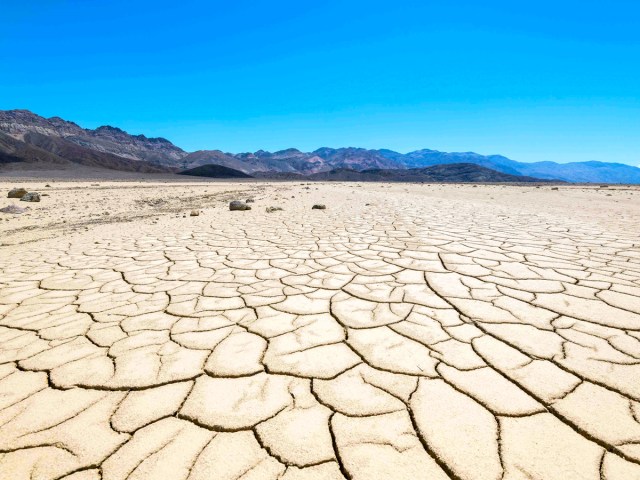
point(105, 139)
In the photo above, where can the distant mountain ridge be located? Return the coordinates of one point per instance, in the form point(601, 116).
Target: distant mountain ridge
point(327, 159)
point(23, 134)
point(452, 172)
point(293, 160)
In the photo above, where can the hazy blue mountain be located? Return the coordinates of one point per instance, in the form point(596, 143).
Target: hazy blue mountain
point(426, 158)
point(595, 172)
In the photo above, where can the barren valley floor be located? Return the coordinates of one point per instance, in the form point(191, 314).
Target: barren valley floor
point(405, 332)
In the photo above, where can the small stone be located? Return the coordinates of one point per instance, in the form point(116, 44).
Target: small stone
point(249, 200)
point(318, 206)
point(238, 205)
point(47, 185)
point(13, 209)
point(194, 213)
point(554, 188)
point(17, 193)
point(273, 209)
point(31, 197)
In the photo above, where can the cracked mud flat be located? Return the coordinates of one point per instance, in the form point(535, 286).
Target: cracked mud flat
point(438, 332)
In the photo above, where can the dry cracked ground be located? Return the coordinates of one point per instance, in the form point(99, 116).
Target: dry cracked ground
point(405, 332)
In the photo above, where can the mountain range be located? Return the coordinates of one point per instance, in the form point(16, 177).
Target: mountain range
point(454, 172)
point(38, 142)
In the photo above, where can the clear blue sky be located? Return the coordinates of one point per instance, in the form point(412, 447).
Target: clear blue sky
point(537, 80)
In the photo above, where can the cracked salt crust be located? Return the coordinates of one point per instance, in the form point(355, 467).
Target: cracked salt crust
point(436, 333)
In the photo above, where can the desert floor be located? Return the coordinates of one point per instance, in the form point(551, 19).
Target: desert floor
point(405, 332)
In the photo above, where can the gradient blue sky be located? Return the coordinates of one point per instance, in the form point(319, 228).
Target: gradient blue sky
point(535, 80)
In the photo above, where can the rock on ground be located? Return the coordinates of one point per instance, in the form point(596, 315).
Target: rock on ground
point(17, 193)
point(31, 197)
point(238, 205)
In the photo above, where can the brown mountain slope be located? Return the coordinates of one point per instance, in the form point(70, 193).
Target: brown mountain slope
point(214, 171)
point(77, 154)
point(13, 150)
